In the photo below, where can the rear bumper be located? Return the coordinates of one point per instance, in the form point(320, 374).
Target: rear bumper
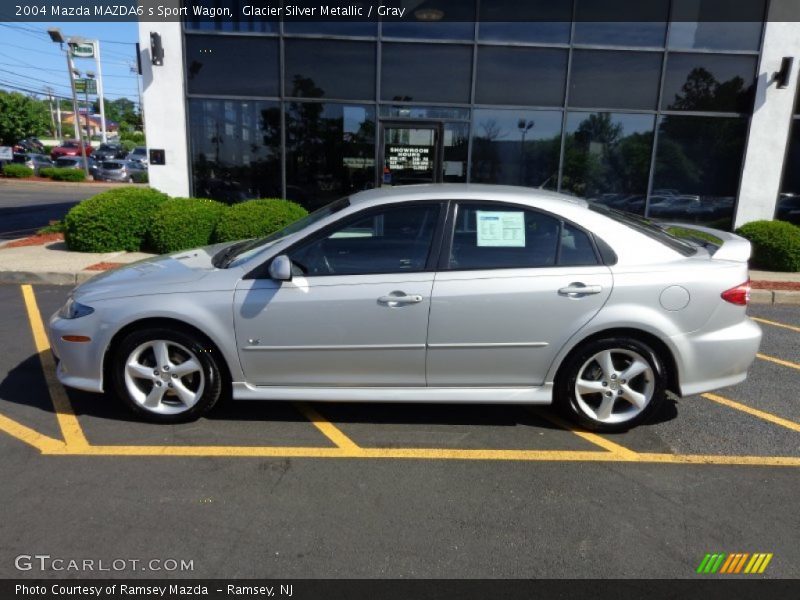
point(714, 359)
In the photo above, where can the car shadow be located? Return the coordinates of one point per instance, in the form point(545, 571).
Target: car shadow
point(17, 388)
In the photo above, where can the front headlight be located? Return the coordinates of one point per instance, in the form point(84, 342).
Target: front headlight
point(74, 310)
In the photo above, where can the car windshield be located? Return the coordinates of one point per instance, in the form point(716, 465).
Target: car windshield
point(648, 227)
point(69, 145)
point(139, 151)
point(112, 165)
point(239, 252)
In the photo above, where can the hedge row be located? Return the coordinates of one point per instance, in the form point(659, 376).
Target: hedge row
point(776, 245)
point(130, 218)
point(63, 174)
point(17, 171)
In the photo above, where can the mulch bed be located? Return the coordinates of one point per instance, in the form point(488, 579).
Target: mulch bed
point(36, 240)
point(104, 266)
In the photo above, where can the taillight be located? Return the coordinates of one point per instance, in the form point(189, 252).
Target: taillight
point(739, 295)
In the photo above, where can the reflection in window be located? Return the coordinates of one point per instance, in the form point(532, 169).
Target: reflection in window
point(438, 20)
point(614, 79)
point(519, 147)
point(232, 65)
point(454, 163)
point(607, 158)
point(425, 112)
point(351, 28)
point(543, 21)
point(395, 240)
point(235, 149)
point(716, 24)
point(707, 82)
point(426, 73)
point(520, 76)
point(331, 69)
point(698, 164)
point(330, 151)
point(621, 22)
point(239, 22)
point(788, 208)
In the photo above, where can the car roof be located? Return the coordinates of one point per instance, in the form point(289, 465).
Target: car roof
point(465, 191)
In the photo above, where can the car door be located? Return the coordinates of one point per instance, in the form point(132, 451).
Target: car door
point(514, 285)
point(356, 310)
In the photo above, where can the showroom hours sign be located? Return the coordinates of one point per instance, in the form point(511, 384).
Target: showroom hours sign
point(415, 158)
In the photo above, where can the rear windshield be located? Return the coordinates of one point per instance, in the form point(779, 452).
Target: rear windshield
point(646, 226)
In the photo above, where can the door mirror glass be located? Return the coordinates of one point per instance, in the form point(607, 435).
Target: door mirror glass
point(280, 269)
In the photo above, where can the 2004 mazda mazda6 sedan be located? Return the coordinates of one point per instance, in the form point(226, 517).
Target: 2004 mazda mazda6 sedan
point(429, 293)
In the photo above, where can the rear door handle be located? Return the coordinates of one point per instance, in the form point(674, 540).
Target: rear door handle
point(574, 290)
point(399, 299)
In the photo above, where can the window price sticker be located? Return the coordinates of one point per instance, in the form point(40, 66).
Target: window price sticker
point(501, 229)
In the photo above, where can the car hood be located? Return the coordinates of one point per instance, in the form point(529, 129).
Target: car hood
point(169, 273)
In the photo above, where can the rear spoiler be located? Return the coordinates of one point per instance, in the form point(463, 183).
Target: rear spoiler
point(732, 247)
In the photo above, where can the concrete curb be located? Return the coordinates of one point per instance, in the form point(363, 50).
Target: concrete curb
point(758, 296)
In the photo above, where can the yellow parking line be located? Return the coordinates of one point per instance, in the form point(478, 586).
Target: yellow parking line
point(41, 442)
point(776, 324)
point(70, 428)
point(327, 428)
point(779, 361)
point(593, 438)
point(754, 411)
point(426, 454)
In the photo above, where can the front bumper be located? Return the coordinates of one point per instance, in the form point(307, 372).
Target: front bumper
point(79, 364)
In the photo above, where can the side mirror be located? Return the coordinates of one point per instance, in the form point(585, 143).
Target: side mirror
point(280, 269)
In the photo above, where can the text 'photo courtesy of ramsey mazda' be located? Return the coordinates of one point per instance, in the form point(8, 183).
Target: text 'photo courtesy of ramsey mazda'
point(448, 293)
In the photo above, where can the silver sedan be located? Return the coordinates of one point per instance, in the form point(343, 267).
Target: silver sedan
point(432, 293)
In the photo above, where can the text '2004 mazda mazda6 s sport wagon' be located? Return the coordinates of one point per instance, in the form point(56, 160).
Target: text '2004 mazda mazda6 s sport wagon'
point(430, 293)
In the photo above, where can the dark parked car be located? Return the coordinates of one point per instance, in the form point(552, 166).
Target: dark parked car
point(29, 145)
point(69, 148)
point(138, 154)
point(109, 152)
point(37, 162)
point(788, 208)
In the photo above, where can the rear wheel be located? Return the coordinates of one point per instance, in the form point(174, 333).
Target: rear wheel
point(166, 376)
point(611, 384)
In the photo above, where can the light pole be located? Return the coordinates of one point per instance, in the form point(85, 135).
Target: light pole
point(55, 35)
point(524, 127)
point(91, 76)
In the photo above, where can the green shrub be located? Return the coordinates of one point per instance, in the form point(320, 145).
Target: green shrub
point(139, 177)
point(18, 171)
point(65, 174)
point(46, 172)
point(128, 144)
point(776, 245)
point(113, 220)
point(53, 227)
point(182, 223)
point(256, 218)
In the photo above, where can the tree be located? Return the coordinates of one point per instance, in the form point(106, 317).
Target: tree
point(21, 116)
point(122, 111)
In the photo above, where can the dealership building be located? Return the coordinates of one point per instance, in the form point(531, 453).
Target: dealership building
point(691, 120)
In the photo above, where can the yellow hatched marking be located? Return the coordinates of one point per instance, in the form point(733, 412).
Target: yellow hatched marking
point(590, 437)
point(779, 361)
point(776, 324)
point(327, 428)
point(774, 419)
point(70, 427)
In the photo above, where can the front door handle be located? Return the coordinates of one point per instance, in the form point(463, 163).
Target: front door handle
point(399, 299)
point(577, 289)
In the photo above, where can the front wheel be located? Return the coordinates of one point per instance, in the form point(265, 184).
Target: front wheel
point(611, 384)
point(166, 376)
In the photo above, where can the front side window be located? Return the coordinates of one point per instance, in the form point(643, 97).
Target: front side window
point(391, 240)
point(488, 236)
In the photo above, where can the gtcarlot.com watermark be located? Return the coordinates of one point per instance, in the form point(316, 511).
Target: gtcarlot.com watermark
point(54, 564)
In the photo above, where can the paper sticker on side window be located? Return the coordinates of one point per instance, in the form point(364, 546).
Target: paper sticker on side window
point(501, 228)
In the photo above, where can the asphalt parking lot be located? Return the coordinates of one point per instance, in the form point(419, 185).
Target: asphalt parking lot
point(295, 490)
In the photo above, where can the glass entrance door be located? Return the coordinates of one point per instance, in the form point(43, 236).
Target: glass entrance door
point(411, 153)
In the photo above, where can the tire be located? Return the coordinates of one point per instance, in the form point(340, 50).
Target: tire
point(607, 400)
point(188, 388)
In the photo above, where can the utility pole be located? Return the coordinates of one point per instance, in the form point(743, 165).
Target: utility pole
point(50, 105)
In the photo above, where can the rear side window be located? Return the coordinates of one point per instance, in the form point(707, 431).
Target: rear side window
point(646, 226)
point(490, 236)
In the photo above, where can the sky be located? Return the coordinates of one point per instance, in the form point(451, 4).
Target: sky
point(30, 60)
